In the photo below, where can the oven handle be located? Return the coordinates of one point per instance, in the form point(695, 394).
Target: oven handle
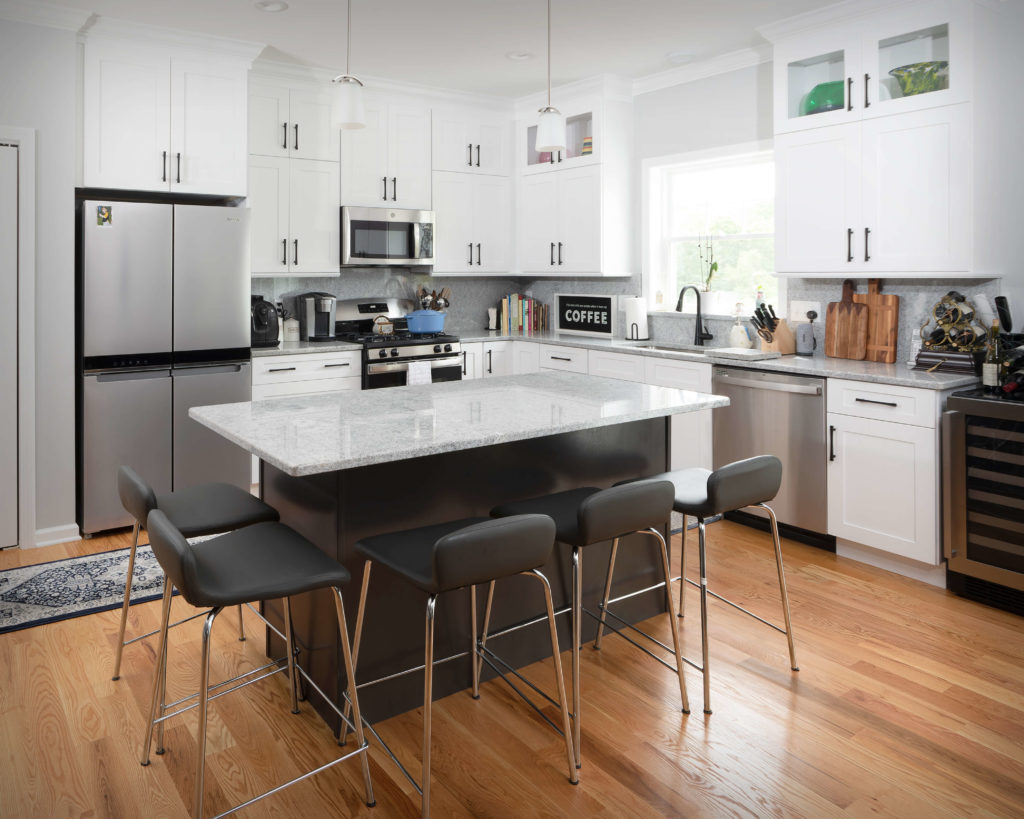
point(402, 366)
point(954, 489)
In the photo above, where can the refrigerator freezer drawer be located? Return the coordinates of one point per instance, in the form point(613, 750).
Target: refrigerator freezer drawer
point(200, 454)
point(126, 419)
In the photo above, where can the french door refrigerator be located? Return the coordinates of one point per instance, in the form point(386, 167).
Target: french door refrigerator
point(163, 326)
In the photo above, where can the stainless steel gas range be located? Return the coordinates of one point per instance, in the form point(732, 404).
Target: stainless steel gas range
point(392, 356)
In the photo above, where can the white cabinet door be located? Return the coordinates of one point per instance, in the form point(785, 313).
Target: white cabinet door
point(496, 358)
point(269, 205)
point(525, 357)
point(492, 153)
point(454, 212)
point(208, 127)
point(567, 359)
point(538, 215)
point(579, 220)
point(691, 431)
point(314, 217)
point(364, 160)
point(817, 200)
point(126, 119)
point(492, 224)
point(471, 360)
point(917, 184)
point(312, 134)
point(409, 156)
point(624, 366)
point(882, 488)
point(452, 138)
point(268, 119)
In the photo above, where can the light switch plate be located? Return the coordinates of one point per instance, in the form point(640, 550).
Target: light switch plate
point(798, 310)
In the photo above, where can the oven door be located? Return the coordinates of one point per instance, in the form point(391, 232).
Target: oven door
point(395, 373)
point(386, 236)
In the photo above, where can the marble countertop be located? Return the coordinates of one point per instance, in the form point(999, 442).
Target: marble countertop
point(311, 434)
point(294, 347)
point(898, 374)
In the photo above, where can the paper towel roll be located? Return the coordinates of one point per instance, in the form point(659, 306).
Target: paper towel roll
point(636, 318)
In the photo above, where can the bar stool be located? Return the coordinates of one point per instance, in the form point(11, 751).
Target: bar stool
point(590, 515)
point(455, 555)
point(199, 510)
point(702, 494)
point(261, 562)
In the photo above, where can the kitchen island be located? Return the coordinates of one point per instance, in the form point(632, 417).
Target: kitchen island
point(343, 466)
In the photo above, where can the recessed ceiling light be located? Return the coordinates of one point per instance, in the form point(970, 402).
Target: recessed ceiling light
point(519, 56)
point(271, 6)
point(679, 57)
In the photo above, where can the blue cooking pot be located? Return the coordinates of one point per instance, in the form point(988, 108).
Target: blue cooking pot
point(425, 321)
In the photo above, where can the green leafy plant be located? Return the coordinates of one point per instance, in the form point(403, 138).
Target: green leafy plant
point(706, 254)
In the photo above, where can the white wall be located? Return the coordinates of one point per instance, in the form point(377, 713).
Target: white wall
point(39, 65)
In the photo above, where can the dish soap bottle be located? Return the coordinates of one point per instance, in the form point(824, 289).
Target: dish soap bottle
point(738, 335)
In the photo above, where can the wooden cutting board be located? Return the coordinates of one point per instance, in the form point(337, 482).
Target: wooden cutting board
point(883, 322)
point(846, 327)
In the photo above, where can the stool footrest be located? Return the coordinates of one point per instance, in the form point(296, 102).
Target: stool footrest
point(221, 684)
point(487, 656)
point(734, 605)
point(643, 648)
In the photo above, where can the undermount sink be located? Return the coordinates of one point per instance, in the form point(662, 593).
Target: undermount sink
point(673, 348)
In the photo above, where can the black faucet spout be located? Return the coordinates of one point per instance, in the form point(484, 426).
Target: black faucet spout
point(700, 333)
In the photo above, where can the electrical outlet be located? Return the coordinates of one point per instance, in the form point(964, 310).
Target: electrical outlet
point(798, 310)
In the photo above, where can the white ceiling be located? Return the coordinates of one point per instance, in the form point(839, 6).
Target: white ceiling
point(461, 44)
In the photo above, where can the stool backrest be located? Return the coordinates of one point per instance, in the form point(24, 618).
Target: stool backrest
point(487, 551)
point(744, 483)
point(620, 510)
point(173, 553)
point(137, 496)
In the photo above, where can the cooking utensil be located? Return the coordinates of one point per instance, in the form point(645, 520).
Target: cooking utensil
point(775, 318)
point(756, 322)
point(846, 327)
point(425, 321)
point(1005, 320)
point(883, 322)
point(766, 334)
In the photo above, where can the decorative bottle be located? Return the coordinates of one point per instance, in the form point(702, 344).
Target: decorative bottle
point(991, 368)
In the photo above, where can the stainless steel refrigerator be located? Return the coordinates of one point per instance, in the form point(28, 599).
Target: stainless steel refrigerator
point(163, 298)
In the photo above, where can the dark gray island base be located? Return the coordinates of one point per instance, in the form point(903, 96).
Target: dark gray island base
point(336, 509)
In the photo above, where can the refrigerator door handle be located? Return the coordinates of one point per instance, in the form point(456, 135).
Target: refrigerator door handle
point(133, 375)
point(205, 369)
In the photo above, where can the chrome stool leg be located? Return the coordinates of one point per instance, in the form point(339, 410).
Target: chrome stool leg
point(782, 586)
point(702, 555)
point(607, 593)
point(127, 602)
point(360, 614)
point(475, 670)
point(478, 657)
point(672, 618)
point(682, 570)
point(241, 625)
point(158, 672)
point(428, 698)
point(290, 643)
point(577, 617)
point(353, 694)
point(204, 701)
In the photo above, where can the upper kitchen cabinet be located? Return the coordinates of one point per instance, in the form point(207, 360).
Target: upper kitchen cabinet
point(582, 142)
point(163, 119)
point(901, 59)
point(467, 141)
point(387, 163)
point(475, 213)
point(293, 122)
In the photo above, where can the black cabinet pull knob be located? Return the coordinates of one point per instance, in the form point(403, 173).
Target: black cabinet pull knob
point(295, 255)
point(490, 368)
point(284, 135)
point(470, 253)
point(867, 103)
point(849, 244)
point(179, 168)
point(477, 254)
point(849, 93)
point(552, 253)
point(559, 252)
point(296, 145)
point(478, 156)
point(164, 177)
point(284, 251)
point(394, 188)
point(867, 256)
point(464, 362)
point(384, 179)
point(880, 403)
point(831, 443)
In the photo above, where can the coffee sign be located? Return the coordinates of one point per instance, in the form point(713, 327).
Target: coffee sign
point(585, 315)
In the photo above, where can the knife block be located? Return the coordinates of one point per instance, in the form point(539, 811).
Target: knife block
point(782, 342)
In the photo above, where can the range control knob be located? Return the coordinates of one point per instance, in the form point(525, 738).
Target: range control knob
point(447, 348)
point(394, 352)
point(437, 348)
point(383, 354)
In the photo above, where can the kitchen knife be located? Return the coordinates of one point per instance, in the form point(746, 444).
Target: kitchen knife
point(1005, 320)
point(756, 322)
point(766, 320)
point(775, 318)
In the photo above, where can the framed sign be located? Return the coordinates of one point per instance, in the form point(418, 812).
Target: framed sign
point(585, 315)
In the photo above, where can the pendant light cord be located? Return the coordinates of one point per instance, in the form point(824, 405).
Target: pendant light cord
point(549, 53)
point(348, 43)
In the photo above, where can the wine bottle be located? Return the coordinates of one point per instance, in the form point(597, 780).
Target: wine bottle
point(991, 368)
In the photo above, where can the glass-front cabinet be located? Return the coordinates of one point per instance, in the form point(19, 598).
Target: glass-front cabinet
point(582, 142)
point(905, 59)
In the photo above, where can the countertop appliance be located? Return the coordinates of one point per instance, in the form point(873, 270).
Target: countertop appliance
point(386, 236)
point(983, 502)
point(163, 325)
point(782, 415)
point(397, 358)
point(265, 331)
point(317, 315)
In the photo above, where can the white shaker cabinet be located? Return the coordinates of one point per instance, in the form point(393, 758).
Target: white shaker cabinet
point(474, 214)
point(560, 227)
point(387, 163)
point(471, 353)
point(691, 431)
point(292, 122)
point(496, 358)
point(526, 357)
point(468, 142)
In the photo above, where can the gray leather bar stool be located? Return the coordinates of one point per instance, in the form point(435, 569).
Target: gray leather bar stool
point(702, 494)
point(209, 509)
point(260, 562)
point(456, 555)
point(590, 515)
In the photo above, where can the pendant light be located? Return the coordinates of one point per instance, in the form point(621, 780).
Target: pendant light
point(351, 113)
point(551, 125)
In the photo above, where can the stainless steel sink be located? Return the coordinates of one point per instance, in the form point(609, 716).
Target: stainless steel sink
point(672, 348)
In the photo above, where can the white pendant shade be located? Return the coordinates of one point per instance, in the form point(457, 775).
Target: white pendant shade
point(550, 130)
point(351, 113)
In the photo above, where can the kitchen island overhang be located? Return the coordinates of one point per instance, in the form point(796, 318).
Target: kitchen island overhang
point(343, 466)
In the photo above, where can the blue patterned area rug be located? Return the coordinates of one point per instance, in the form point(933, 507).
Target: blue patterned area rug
point(61, 589)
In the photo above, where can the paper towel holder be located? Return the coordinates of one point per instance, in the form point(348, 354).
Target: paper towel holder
point(635, 308)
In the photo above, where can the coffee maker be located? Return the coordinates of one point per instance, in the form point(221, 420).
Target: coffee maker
point(316, 316)
point(265, 327)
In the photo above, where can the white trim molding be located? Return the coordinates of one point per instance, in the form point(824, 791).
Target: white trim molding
point(840, 12)
point(722, 64)
point(56, 534)
point(142, 35)
point(43, 14)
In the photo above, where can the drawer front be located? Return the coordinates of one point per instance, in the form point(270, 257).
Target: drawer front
point(569, 359)
point(623, 366)
point(261, 391)
point(285, 368)
point(883, 402)
point(683, 375)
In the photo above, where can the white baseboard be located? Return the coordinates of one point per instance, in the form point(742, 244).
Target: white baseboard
point(55, 534)
point(925, 572)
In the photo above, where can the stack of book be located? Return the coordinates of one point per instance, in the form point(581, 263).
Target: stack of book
point(520, 315)
point(588, 146)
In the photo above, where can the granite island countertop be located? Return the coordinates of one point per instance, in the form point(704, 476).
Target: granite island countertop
point(311, 434)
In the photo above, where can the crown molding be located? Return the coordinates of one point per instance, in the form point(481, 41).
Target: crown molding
point(722, 64)
point(824, 16)
point(43, 14)
point(609, 86)
point(140, 34)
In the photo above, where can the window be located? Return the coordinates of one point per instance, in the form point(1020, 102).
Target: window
point(727, 202)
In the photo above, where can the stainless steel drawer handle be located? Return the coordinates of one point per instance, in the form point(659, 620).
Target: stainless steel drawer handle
point(280, 369)
point(344, 364)
point(880, 403)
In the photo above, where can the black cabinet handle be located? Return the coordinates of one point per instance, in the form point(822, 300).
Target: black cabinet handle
point(296, 145)
point(559, 156)
point(867, 103)
point(490, 369)
point(849, 93)
point(849, 244)
point(284, 135)
point(470, 149)
point(470, 253)
point(344, 364)
point(384, 179)
point(164, 177)
point(295, 255)
point(552, 253)
point(831, 443)
point(179, 168)
point(284, 251)
point(559, 252)
point(880, 403)
point(867, 256)
point(394, 188)
point(551, 160)
point(464, 362)
point(478, 156)
point(559, 358)
point(477, 254)
point(280, 369)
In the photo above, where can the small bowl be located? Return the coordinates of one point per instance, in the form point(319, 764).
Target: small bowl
point(827, 96)
point(921, 78)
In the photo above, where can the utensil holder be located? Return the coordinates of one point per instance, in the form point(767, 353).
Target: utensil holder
point(782, 342)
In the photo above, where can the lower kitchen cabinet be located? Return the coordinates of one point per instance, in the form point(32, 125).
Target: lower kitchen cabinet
point(567, 359)
point(624, 366)
point(525, 357)
point(691, 431)
point(471, 359)
point(298, 374)
point(495, 358)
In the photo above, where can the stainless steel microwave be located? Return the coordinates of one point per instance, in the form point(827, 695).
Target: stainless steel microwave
point(386, 236)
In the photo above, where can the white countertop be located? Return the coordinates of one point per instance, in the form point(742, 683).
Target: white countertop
point(311, 434)
point(293, 347)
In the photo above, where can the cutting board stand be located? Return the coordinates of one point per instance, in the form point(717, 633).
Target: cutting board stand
point(782, 342)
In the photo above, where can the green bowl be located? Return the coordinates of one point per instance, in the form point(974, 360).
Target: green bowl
point(828, 96)
point(920, 78)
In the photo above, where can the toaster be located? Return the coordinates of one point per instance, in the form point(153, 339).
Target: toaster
point(265, 324)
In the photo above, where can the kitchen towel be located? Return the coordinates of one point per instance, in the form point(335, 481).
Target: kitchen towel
point(419, 373)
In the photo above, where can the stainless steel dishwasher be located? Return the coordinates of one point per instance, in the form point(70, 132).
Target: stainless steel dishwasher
point(782, 415)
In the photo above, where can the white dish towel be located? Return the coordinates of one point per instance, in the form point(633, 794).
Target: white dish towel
point(419, 373)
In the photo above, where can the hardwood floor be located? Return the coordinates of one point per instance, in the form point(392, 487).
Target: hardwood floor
point(909, 702)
